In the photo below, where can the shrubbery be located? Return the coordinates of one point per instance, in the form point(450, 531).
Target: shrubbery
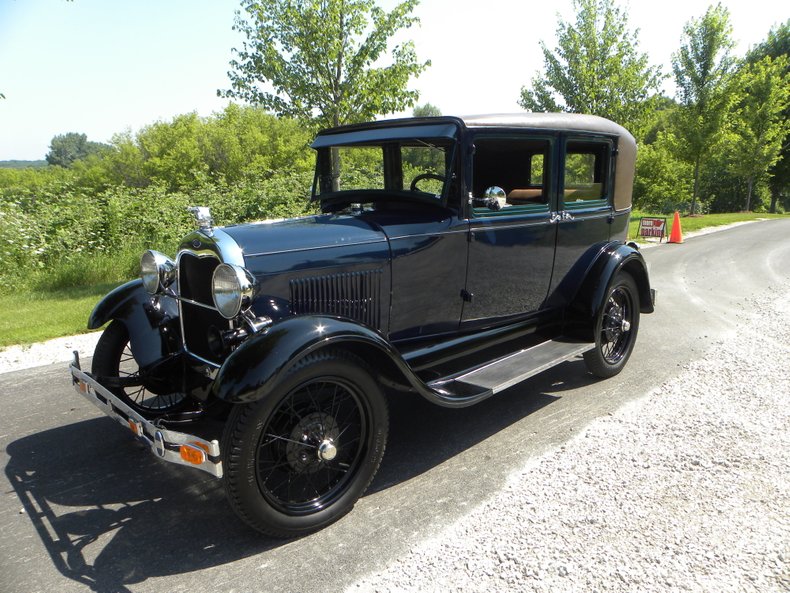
point(88, 223)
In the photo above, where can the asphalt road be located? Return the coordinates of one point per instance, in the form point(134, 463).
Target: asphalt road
point(84, 507)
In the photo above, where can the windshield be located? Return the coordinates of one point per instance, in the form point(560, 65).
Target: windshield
point(414, 168)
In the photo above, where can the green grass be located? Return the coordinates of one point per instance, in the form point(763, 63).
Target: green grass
point(26, 318)
point(695, 223)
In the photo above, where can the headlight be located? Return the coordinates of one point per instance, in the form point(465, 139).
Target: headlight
point(232, 288)
point(157, 271)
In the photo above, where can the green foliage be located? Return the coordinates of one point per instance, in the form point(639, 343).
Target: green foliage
point(322, 59)
point(89, 223)
point(760, 123)
point(22, 164)
point(702, 68)
point(426, 110)
point(69, 237)
point(65, 149)
point(595, 68)
point(776, 46)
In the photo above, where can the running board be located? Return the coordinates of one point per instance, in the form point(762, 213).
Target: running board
point(514, 368)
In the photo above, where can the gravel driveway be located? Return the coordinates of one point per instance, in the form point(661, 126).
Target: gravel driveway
point(686, 489)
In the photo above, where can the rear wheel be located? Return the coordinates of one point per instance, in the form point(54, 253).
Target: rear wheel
point(300, 458)
point(113, 362)
point(615, 328)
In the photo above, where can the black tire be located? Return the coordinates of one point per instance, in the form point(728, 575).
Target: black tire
point(113, 358)
point(300, 458)
point(616, 328)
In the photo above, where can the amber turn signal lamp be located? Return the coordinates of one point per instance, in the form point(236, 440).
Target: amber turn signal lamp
point(192, 454)
point(136, 428)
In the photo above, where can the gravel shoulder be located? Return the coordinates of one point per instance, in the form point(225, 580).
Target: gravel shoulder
point(685, 489)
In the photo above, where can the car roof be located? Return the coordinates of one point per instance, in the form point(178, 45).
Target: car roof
point(570, 122)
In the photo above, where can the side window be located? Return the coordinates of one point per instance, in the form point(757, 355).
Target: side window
point(586, 172)
point(519, 166)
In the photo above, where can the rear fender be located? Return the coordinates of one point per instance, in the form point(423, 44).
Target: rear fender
point(588, 301)
point(135, 308)
point(258, 365)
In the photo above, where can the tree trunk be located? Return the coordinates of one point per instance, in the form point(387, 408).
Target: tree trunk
point(749, 184)
point(696, 186)
point(335, 168)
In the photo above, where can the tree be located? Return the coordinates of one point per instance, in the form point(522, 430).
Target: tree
point(427, 110)
point(67, 148)
point(702, 68)
point(761, 127)
point(595, 68)
point(317, 60)
point(777, 45)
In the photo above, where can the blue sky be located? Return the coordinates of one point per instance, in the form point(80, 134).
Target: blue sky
point(100, 67)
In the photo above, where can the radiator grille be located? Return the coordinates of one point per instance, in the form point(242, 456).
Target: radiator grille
point(194, 283)
point(356, 295)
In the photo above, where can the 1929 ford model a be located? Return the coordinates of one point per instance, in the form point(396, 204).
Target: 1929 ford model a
point(453, 257)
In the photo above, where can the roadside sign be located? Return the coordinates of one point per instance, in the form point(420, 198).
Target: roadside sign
point(653, 227)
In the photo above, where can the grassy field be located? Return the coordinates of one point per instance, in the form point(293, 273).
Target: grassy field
point(29, 318)
point(41, 315)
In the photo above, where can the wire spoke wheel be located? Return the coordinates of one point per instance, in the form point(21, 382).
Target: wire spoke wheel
point(311, 446)
point(114, 358)
point(300, 457)
point(616, 327)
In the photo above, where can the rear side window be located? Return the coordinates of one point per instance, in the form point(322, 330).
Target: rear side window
point(586, 172)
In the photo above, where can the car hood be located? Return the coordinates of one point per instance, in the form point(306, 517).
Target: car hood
point(302, 234)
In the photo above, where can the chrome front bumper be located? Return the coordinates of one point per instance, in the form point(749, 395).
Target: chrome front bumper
point(176, 447)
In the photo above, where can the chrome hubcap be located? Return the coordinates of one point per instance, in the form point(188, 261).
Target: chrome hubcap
point(327, 450)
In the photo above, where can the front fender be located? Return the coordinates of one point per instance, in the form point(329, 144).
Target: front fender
point(253, 368)
point(589, 299)
point(132, 305)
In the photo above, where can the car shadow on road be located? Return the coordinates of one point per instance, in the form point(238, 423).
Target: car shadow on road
point(111, 515)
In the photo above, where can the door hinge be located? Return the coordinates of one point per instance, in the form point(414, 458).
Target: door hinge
point(466, 295)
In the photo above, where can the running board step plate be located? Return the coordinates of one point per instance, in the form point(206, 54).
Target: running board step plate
point(522, 365)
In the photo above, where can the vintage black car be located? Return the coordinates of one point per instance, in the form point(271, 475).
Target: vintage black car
point(453, 257)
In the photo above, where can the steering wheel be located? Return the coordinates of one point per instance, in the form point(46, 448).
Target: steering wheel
point(421, 176)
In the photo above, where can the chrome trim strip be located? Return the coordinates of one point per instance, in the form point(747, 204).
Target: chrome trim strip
point(212, 363)
point(516, 225)
point(434, 234)
point(196, 303)
point(381, 240)
point(580, 217)
point(162, 442)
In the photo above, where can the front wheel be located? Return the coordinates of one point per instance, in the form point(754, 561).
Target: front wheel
point(114, 364)
point(299, 459)
point(616, 327)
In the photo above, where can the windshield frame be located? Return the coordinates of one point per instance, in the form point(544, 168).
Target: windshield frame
point(391, 141)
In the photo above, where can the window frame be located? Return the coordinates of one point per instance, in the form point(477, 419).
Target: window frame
point(549, 173)
point(606, 200)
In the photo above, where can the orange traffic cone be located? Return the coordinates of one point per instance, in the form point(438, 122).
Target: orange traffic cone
point(676, 236)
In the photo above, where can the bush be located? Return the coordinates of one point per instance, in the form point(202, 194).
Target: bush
point(60, 236)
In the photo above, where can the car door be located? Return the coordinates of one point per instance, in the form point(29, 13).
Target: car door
point(511, 242)
point(584, 205)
